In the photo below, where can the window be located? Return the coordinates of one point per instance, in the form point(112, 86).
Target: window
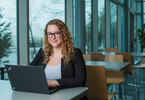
point(8, 33)
point(134, 5)
point(135, 34)
point(122, 26)
point(88, 21)
point(143, 12)
point(41, 12)
point(101, 25)
point(113, 18)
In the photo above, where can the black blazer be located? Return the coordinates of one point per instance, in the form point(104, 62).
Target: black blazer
point(72, 75)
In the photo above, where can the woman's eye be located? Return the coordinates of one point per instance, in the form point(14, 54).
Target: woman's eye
point(49, 33)
point(56, 32)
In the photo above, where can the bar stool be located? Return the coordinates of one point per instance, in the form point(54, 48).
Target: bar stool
point(114, 77)
point(142, 66)
point(128, 71)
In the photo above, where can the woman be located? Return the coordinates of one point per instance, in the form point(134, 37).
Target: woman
point(63, 64)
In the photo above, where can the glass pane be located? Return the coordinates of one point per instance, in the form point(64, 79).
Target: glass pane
point(113, 16)
point(138, 7)
point(144, 18)
point(74, 21)
point(88, 44)
point(40, 12)
point(8, 34)
point(135, 5)
point(129, 4)
point(143, 7)
point(139, 26)
point(135, 35)
point(101, 25)
point(122, 27)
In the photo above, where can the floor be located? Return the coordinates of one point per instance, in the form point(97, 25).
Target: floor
point(139, 95)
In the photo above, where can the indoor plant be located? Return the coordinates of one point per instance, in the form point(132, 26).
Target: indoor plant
point(141, 34)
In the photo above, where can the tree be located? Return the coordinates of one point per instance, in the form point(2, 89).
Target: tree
point(5, 37)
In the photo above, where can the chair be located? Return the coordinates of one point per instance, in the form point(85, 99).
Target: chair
point(128, 70)
point(97, 83)
point(96, 56)
point(142, 66)
point(111, 50)
point(87, 57)
point(114, 77)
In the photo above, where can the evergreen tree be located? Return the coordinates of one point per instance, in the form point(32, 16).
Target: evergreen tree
point(5, 37)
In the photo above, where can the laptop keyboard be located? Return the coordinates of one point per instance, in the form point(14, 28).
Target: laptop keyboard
point(53, 89)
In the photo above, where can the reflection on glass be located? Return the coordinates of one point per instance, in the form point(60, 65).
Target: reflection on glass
point(113, 17)
point(88, 44)
point(101, 25)
point(40, 12)
point(8, 34)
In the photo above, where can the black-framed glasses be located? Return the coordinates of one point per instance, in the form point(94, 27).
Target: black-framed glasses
point(56, 34)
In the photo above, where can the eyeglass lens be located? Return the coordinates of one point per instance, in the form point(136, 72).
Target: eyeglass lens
point(56, 34)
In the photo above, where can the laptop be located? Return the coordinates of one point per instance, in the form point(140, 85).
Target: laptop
point(29, 79)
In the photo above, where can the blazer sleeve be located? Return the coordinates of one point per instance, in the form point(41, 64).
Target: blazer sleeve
point(38, 58)
point(79, 73)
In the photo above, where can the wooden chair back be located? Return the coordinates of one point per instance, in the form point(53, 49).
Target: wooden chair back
point(87, 57)
point(126, 58)
point(143, 50)
point(111, 50)
point(96, 56)
point(114, 74)
point(97, 83)
point(143, 58)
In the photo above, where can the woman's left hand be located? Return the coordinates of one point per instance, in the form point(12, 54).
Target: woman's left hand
point(53, 83)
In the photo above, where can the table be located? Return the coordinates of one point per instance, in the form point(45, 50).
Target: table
point(133, 54)
point(109, 66)
point(6, 93)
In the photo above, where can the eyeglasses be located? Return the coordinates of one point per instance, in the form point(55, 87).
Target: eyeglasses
point(56, 34)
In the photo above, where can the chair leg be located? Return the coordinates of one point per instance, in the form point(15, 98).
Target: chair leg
point(114, 97)
point(124, 90)
point(136, 87)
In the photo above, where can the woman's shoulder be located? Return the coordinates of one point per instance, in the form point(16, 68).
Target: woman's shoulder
point(78, 51)
point(40, 51)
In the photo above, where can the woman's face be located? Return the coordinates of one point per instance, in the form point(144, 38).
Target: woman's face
point(54, 36)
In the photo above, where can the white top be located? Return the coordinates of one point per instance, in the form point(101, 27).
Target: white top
point(53, 72)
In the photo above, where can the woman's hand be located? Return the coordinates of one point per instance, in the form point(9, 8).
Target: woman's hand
point(53, 83)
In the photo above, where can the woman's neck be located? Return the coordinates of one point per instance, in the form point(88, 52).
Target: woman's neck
point(57, 50)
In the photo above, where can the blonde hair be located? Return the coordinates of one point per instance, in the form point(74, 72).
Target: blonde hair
point(66, 39)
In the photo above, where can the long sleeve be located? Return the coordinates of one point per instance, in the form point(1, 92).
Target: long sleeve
point(38, 58)
point(75, 74)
